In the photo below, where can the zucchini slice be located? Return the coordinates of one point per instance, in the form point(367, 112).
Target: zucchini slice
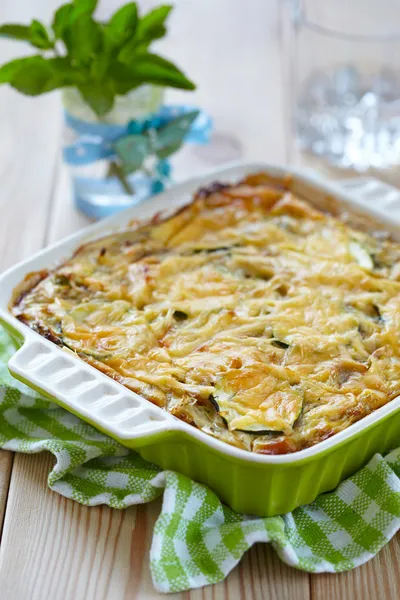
point(276, 419)
point(179, 315)
point(279, 344)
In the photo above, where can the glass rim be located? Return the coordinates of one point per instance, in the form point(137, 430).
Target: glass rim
point(301, 21)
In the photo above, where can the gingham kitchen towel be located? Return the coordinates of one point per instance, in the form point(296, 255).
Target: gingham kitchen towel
point(197, 540)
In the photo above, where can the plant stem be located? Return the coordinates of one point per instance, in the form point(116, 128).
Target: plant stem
point(114, 170)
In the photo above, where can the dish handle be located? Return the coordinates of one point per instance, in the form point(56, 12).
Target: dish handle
point(374, 193)
point(88, 393)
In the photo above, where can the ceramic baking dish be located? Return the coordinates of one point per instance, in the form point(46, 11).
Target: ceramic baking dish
point(249, 483)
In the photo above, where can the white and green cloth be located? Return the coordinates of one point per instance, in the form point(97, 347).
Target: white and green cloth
point(197, 540)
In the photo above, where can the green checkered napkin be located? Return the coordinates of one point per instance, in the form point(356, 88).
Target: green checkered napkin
point(197, 540)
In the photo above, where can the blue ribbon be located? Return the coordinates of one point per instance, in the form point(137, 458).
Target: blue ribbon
point(95, 140)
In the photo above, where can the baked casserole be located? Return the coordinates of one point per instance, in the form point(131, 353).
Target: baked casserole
point(249, 314)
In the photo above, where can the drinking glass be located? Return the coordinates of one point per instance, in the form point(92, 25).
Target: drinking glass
point(346, 81)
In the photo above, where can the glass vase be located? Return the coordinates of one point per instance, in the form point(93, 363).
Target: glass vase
point(99, 189)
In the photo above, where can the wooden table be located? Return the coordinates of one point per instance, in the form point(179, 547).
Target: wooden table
point(53, 548)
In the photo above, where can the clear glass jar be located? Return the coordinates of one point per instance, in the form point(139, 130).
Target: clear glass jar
point(134, 105)
point(96, 193)
point(346, 81)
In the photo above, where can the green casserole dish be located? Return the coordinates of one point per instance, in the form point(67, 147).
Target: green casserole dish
point(251, 483)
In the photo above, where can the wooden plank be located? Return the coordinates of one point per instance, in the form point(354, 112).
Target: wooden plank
point(72, 552)
point(377, 578)
point(64, 218)
point(260, 575)
point(235, 61)
point(30, 130)
point(54, 548)
point(27, 155)
point(26, 182)
point(6, 461)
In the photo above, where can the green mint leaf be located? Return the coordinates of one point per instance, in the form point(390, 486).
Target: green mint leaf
point(152, 68)
point(51, 74)
point(129, 168)
point(16, 32)
point(123, 24)
point(64, 73)
point(84, 7)
point(132, 150)
point(157, 32)
point(84, 39)
point(35, 76)
point(100, 97)
point(168, 150)
point(39, 36)
point(122, 78)
point(99, 66)
point(170, 137)
point(152, 25)
point(142, 46)
point(128, 52)
point(62, 20)
point(103, 59)
point(8, 70)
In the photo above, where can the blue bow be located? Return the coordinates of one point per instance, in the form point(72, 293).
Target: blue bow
point(95, 140)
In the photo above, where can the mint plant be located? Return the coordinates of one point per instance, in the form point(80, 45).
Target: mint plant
point(102, 60)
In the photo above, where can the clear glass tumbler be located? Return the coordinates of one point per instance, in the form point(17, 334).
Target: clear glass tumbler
point(346, 78)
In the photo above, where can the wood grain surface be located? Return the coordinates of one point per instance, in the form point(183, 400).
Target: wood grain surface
point(55, 549)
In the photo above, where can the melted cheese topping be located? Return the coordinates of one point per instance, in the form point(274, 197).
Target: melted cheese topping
point(249, 314)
